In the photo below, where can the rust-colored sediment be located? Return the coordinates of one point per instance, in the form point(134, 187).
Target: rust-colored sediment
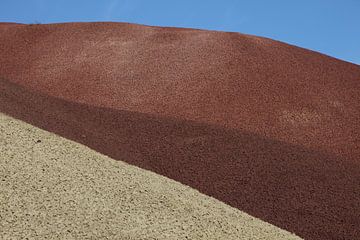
point(266, 127)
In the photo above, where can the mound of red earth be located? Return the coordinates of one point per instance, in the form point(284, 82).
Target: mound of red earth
point(266, 127)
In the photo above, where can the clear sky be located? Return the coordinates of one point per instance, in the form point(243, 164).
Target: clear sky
point(328, 26)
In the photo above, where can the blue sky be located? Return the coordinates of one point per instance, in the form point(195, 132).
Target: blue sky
point(328, 26)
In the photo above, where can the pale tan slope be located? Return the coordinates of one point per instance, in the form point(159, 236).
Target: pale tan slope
point(57, 188)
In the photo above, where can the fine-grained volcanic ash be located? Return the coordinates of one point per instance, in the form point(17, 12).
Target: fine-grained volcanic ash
point(54, 188)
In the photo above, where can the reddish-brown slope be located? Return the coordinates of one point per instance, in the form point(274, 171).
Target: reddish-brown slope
point(230, 79)
point(268, 103)
point(313, 194)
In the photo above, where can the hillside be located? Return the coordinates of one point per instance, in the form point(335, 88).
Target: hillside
point(266, 127)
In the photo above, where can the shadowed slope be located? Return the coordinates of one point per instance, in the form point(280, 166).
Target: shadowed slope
point(310, 193)
point(75, 193)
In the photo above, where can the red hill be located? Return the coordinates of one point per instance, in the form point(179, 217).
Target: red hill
point(266, 127)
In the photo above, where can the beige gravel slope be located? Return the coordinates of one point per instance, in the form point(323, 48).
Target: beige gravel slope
point(53, 188)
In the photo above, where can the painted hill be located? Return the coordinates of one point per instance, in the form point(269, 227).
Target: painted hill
point(268, 128)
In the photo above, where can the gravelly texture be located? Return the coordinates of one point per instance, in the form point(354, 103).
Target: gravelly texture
point(266, 127)
point(53, 188)
point(229, 79)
